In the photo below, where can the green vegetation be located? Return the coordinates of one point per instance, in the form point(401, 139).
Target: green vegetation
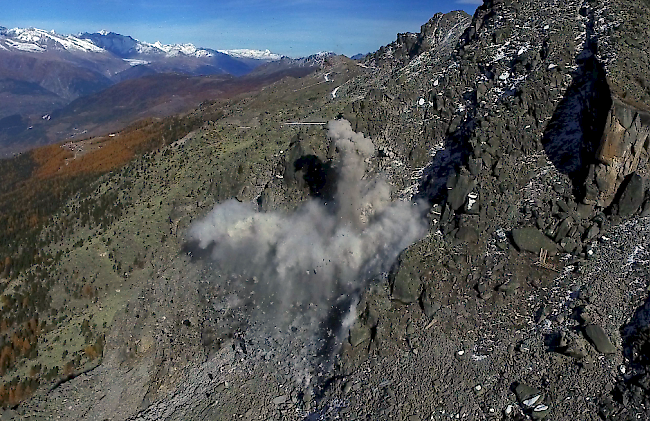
point(104, 223)
point(38, 211)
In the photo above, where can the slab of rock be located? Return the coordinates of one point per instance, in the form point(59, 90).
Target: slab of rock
point(457, 195)
point(467, 235)
point(407, 285)
point(429, 306)
point(533, 240)
point(632, 197)
point(563, 229)
point(598, 337)
point(280, 400)
point(359, 333)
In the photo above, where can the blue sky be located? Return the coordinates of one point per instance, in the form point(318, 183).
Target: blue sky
point(291, 27)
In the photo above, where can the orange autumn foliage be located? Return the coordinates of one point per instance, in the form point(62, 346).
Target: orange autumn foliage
point(97, 155)
point(91, 352)
point(15, 394)
point(68, 369)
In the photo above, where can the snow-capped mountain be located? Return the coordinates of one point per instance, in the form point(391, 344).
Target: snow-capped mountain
point(254, 54)
point(34, 40)
point(173, 50)
point(128, 47)
point(38, 40)
point(43, 70)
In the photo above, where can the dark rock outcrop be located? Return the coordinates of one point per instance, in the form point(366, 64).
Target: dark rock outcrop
point(624, 149)
point(441, 32)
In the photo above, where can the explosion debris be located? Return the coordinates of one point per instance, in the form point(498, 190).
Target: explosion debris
point(315, 261)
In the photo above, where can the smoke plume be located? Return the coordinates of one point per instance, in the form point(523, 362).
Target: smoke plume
point(315, 261)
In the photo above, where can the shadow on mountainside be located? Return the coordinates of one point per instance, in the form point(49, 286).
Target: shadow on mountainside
point(576, 127)
point(446, 161)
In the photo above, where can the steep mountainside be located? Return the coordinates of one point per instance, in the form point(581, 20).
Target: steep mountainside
point(480, 252)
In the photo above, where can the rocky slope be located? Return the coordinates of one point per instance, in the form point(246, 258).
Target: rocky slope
point(524, 131)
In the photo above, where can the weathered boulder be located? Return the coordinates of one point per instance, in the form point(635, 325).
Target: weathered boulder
point(359, 333)
point(632, 197)
point(407, 285)
point(598, 337)
point(459, 187)
point(533, 240)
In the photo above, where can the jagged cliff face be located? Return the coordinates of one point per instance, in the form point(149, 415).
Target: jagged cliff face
point(438, 36)
point(524, 129)
point(525, 84)
point(623, 151)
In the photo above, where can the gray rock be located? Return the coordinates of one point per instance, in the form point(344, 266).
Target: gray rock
point(598, 337)
point(359, 334)
point(646, 209)
point(584, 211)
point(528, 396)
point(481, 90)
point(592, 232)
point(540, 412)
point(475, 166)
point(563, 229)
point(8, 414)
point(429, 306)
point(624, 114)
point(467, 235)
point(570, 245)
point(486, 295)
point(280, 400)
point(407, 285)
point(509, 287)
point(575, 346)
point(533, 240)
point(632, 197)
point(457, 195)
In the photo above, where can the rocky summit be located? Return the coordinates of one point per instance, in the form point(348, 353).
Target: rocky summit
point(455, 227)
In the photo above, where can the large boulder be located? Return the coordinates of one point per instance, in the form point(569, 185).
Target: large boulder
point(600, 339)
point(632, 197)
point(407, 285)
point(623, 150)
point(533, 240)
point(459, 187)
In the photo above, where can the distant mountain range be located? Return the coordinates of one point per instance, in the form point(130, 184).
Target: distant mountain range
point(71, 66)
point(43, 71)
point(60, 68)
point(104, 42)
